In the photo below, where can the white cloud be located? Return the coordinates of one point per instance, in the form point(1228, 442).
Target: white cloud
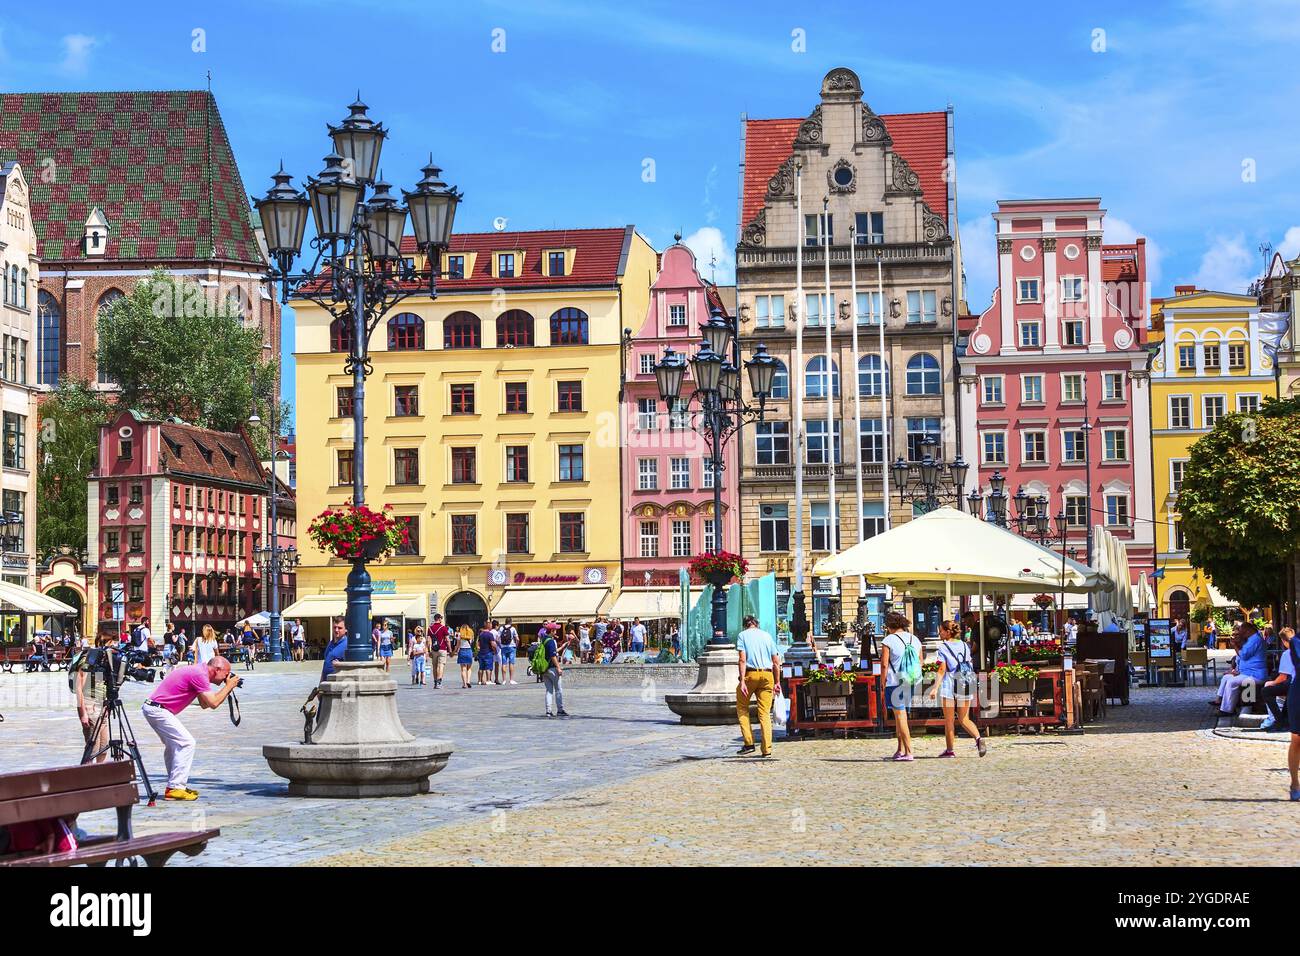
point(708, 242)
point(1119, 231)
point(76, 53)
point(979, 257)
point(1227, 266)
point(1289, 247)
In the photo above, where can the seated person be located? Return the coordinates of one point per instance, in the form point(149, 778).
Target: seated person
point(1250, 668)
point(1280, 685)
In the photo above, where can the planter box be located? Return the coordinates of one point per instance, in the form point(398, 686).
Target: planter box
point(837, 688)
point(1016, 693)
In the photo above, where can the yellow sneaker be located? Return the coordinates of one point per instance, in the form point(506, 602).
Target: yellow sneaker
point(179, 793)
point(192, 790)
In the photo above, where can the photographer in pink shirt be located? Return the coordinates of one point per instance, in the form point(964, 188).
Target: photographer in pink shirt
point(178, 690)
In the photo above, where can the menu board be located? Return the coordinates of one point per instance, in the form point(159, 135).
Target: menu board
point(1159, 643)
point(1140, 633)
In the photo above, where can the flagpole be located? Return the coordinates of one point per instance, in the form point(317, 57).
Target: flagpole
point(857, 389)
point(832, 510)
point(884, 391)
point(799, 624)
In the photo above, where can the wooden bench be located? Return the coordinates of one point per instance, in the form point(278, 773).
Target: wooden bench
point(68, 791)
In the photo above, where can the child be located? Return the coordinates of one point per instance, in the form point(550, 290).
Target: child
point(418, 652)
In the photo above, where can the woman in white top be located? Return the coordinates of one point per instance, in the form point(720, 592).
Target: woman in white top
point(898, 691)
point(956, 690)
point(205, 648)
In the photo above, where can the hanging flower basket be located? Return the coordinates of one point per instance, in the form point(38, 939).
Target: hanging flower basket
point(717, 567)
point(358, 533)
point(1044, 601)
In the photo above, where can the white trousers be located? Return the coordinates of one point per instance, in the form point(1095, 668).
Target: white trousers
point(1230, 691)
point(178, 744)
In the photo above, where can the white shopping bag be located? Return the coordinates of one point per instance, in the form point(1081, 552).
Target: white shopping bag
point(780, 709)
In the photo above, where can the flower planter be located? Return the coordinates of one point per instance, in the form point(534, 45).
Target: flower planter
point(835, 688)
point(719, 579)
point(1016, 693)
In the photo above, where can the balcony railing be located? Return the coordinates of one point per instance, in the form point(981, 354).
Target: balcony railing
point(810, 472)
point(839, 255)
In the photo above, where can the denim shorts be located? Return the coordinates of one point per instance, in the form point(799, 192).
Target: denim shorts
point(508, 654)
point(385, 650)
point(417, 665)
point(898, 696)
point(485, 662)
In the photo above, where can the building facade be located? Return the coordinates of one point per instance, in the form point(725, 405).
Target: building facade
point(1279, 302)
point(891, 200)
point(1215, 357)
point(121, 184)
point(1055, 393)
point(492, 426)
point(175, 516)
point(21, 264)
point(667, 480)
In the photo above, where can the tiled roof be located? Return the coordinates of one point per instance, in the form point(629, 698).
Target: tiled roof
point(1118, 263)
point(217, 456)
point(920, 138)
point(158, 164)
point(597, 260)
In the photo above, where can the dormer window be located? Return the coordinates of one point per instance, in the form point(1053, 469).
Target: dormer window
point(555, 264)
point(125, 449)
point(505, 265)
point(455, 267)
point(95, 238)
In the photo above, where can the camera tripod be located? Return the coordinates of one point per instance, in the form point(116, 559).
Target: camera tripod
point(121, 741)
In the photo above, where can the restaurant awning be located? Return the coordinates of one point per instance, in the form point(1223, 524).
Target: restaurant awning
point(1217, 597)
point(381, 605)
point(15, 597)
point(538, 604)
point(1025, 602)
point(650, 603)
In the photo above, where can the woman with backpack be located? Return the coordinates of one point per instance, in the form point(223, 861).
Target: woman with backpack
point(956, 677)
point(900, 662)
point(465, 653)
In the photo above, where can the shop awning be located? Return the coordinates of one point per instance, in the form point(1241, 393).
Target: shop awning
point(18, 598)
point(1025, 602)
point(381, 605)
point(650, 603)
point(1217, 598)
point(538, 604)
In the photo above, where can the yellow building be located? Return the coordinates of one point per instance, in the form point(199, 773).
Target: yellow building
point(491, 426)
point(1214, 358)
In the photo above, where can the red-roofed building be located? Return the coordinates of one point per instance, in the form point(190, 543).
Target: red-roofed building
point(123, 183)
point(886, 180)
point(175, 514)
point(1054, 389)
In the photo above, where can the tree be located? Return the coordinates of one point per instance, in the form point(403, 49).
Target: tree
point(68, 447)
point(175, 352)
point(1240, 501)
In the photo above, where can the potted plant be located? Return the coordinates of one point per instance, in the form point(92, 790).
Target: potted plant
point(830, 682)
point(355, 532)
point(1015, 678)
point(718, 567)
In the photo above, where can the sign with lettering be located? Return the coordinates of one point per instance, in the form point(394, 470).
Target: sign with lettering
point(522, 578)
point(1158, 637)
point(383, 587)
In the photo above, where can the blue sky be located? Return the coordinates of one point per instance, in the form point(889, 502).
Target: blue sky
point(1180, 116)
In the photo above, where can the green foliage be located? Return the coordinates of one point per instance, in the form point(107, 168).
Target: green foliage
point(67, 446)
point(175, 352)
point(1240, 501)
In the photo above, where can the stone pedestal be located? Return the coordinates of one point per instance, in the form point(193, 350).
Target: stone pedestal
point(359, 747)
point(713, 698)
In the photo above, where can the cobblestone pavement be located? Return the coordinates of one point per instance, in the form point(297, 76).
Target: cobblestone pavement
point(622, 783)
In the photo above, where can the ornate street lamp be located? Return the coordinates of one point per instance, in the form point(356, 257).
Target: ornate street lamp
point(929, 482)
point(716, 369)
point(358, 275)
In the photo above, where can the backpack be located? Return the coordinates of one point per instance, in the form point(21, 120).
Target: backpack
point(538, 661)
point(909, 667)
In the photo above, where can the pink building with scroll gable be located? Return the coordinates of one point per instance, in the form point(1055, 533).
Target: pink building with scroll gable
point(667, 484)
point(1063, 344)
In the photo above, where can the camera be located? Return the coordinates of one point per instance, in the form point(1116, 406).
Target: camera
point(135, 666)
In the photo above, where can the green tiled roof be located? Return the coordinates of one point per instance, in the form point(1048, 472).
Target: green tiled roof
point(158, 164)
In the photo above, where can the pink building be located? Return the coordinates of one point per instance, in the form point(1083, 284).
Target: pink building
point(667, 483)
point(1053, 388)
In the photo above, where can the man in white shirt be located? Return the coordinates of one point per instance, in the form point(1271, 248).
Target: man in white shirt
point(638, 636)
point(144, 636)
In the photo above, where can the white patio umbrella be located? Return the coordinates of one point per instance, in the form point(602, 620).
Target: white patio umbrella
point(1102, 559)
point(1142, 602)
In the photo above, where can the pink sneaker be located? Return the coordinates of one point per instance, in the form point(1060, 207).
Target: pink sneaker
point(902, 758)
point(947, 753)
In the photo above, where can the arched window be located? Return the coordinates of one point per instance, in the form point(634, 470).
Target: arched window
point(814, 379)
point(105, 307)
point(405, 333)
point(869, 377)
point(514, 329)
point(780, 381)
point(460, 330)
point(49, 339)
point(923, 375)
point(341, 335)
point(569, 327)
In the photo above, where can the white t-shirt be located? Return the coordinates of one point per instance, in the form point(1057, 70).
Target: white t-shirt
point(638, 633)
point(1286, 666)
point(896, 643)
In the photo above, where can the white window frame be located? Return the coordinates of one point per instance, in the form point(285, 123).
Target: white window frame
point(875, 308)
point(1041, 435)
point(646, 363)
point(1110, 496)
point(1071, 340)
point(1191, 412)
point(1179, 353)
point(679, 479)
point(647, 421)
point(1025, 326)
point(1106, 379)
point(1072, 288)
point(1020, 290)
point(1105, 444)
point(926, 307)
point(1024, 398)
point(648, 545)
point(1206, 421)
point(763, 316)
point(1083, 386)
point(1245, 355)
point(985, 435)
point(1175, 480)
point(1000, 382)
point(1065, 446)
point(672, 318)
point(1255, 398)
point(647, 474)
point(679, 541)
point(1217, 364)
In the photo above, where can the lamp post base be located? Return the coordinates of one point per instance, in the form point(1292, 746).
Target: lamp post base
point(359, 747)
point(712, 701)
